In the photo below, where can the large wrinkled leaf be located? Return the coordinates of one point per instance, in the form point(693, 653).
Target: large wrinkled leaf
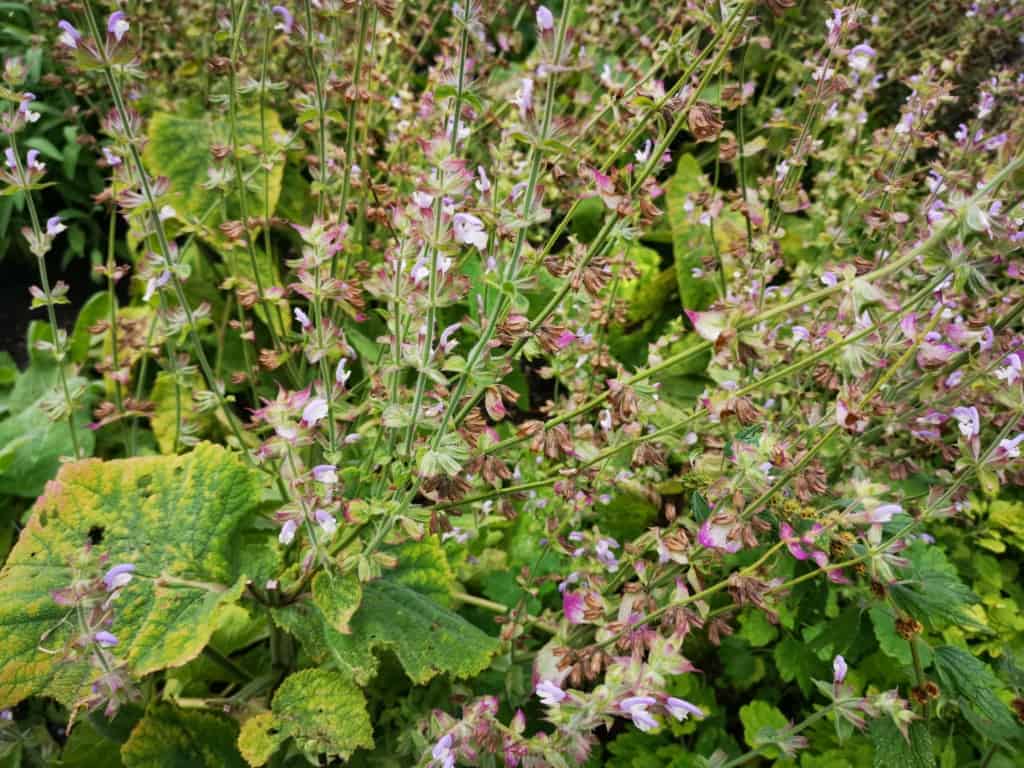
point(932, 592)
point(31, 444)
point(324, 711)
point(173, 738)
point(974, 686)
point(894, 751)
point(179, 148)
point(176, 517)
point(401, 612)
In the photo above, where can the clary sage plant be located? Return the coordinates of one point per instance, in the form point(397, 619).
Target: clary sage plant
point(491, 383)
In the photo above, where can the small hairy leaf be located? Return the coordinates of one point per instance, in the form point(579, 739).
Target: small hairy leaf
point(176, 517)
point(168, 737)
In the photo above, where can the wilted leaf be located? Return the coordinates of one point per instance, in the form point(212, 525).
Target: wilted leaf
point(169, 516)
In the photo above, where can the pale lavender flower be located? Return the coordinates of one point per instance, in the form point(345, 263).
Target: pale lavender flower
point(315, 411)
point(155, 283)
point(325, 473)
point(443, 753)
point(117, 25)
point(545, 19)
point(680, 709)
point(54, 226)
point(302, 318)
point(551, 695)
point(605, 556)
point(118, 576)
point(287, 534)
point(839, 669)
point(105, 639)
point(287, 20)
point(968, 421)
point(25, 108)
point(860, 57)
point(69, 36)
point(469, 230)
point(524, 97)
point(636, 708)
point(1009, 448)
point(326, 521)
point(1012, 371)
point(112, 158)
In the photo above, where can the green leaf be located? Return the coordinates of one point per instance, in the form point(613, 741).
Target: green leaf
point(890, 642)
point(31, 444)
point(94, 310)
point(761, 724)
point(756, 629)
point(168, 737)
point(894, 751)
point(933, 594)
point(402, 611)
point(974, 685)
point(179, 148)
point(176, 518)
point(691, 241)
point(324, 712)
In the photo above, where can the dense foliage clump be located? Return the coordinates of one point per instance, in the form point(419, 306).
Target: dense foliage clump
point(601, 383)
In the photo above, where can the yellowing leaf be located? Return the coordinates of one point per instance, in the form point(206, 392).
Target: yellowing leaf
point(175, 518)
point(179, 148)
point(337, 597)
point(259, 739)
point(168, 737)
point(324, 712)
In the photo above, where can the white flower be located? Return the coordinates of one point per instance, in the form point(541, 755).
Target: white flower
point(341, 375)
point(636, 708)
point(968, 421)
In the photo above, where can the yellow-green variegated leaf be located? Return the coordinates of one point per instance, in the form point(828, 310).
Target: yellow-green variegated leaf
point(337, 597)
point(324, 711)
point(177, 519)
point(179, 148)
point(168, 737)
point(259, 739)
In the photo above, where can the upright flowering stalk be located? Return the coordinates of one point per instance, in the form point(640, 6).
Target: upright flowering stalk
point(25, 175)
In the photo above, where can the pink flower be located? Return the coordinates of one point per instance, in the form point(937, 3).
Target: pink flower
point(572, 606)
point(715, 536)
